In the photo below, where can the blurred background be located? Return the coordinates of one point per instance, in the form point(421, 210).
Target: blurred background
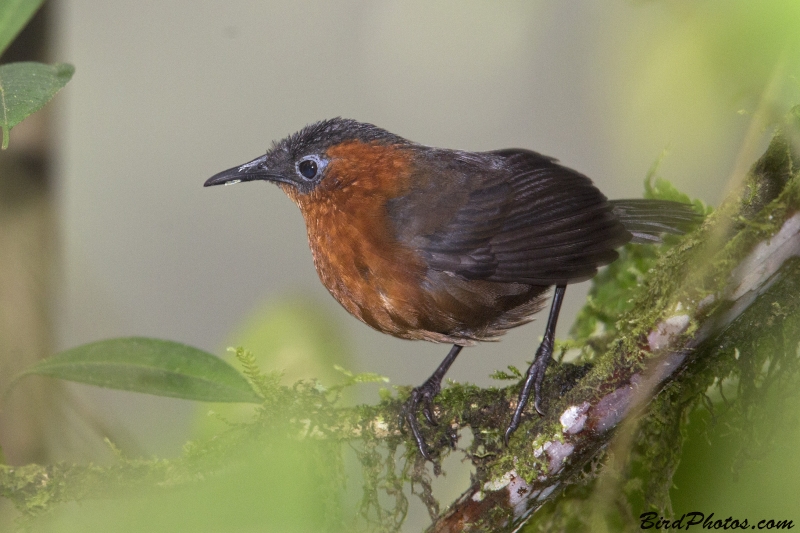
point(165, 94)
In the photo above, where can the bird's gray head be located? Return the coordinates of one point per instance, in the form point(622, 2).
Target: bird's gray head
point(300, 159)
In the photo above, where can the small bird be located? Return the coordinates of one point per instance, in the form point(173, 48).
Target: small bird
point(449, 246)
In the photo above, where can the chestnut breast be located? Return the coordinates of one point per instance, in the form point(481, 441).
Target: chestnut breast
point(376, 274)
point(357, 256)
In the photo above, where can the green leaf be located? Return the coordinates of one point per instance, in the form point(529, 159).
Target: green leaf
point(14, 15)
point(152, 366)
point(25, 88)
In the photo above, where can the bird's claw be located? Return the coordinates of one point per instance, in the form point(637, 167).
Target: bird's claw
point(428, 412)
point(533, 382)
point(423, 394)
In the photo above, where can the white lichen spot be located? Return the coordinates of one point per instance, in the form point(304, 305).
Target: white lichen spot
point(519, 493)
point(574, 418)
point(558, 453)
point(666, 331)
point(499, 483)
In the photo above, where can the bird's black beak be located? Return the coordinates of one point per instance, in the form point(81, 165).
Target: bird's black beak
point(257, 169)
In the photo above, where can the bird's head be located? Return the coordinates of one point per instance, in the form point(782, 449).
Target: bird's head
point(325, 155)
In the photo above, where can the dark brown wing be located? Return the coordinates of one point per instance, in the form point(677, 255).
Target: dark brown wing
point(520, 217)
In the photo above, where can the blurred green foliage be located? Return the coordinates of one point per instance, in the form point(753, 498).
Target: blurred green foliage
point(275, 484)
point(705, 78)
point(294, 335)
point(291, 336)
point(742, 474)
point(254, 476)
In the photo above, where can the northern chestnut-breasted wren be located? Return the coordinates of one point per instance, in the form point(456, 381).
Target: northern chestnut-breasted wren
point(445, 245)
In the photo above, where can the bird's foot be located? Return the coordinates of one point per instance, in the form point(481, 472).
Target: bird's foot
point(538, 367)
point(533, 381)
point(422, 395)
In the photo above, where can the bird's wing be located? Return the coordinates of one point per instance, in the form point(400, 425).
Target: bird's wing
point(527, 220)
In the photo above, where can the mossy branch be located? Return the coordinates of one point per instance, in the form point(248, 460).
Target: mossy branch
point(717, 288)
point(657, 333)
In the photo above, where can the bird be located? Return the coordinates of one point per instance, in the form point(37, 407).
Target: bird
point(449, 246)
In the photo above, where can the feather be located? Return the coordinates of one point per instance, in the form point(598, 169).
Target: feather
point(517, 216)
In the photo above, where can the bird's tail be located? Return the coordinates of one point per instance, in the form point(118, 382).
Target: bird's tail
point(647, 220)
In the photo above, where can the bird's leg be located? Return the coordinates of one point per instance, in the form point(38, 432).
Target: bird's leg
point(535, 375)
point(425, 394)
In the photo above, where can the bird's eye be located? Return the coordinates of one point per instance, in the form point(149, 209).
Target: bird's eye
point(307, 168)
point(310, 166)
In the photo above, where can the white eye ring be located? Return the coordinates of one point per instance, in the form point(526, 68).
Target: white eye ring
point(310, 167)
